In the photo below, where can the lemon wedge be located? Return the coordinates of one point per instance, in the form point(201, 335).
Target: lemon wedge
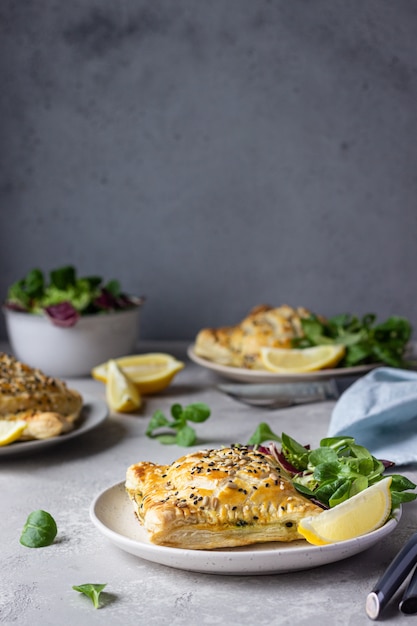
point(359, 515)
point(11, 431)
point(122, 395)
point(151, 372)
point(295, 361)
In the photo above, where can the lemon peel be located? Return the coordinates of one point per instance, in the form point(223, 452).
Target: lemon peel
point(151, 372)
point(298, 361)
point(359, 515)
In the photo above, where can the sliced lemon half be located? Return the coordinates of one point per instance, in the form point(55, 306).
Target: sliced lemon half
point(150, 372)
point(359, 515)
point(122, 395)
point(282, 360)
point(11, 431)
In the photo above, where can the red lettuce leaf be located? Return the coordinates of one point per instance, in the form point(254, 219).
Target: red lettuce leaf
point(106, 301)
point(14, 306)
point(63, 314)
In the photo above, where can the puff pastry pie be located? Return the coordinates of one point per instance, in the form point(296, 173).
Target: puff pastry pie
point(217, 498)
point(239, 345)
point(45, 403)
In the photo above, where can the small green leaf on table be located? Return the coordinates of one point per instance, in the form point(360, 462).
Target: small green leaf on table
point(177, 430)
point(39, 530)
point(92, 591)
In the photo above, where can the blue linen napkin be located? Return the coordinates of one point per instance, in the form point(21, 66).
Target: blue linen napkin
point(380, 412)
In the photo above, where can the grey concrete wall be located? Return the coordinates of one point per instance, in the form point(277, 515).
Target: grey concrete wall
point(213, 155)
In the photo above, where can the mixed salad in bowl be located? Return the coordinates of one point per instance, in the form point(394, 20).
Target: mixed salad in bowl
point(65, 296)
point(65, 325)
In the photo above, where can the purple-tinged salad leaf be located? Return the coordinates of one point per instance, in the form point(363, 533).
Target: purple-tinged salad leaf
point(14, 306)
point(87, 295)
point(112, 299)
point(105, 301)
point(63, 315)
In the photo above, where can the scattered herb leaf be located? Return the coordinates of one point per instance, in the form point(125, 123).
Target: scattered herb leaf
point(180, 432)
point(92, 591)
point(39, 530)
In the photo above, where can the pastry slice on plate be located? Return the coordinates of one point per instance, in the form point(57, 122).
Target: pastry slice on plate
point(240, 345)
point(221, 498)
point(46, 404)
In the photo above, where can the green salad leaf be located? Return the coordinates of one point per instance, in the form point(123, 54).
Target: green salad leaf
point(335, 471)
point(92, 591)
point(39, 530)
point(365, 340)
point(263, 433)
point(179, 432)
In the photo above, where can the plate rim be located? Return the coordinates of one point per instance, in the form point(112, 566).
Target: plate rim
point(263, 376)
point(234, 556)
point(99, 414)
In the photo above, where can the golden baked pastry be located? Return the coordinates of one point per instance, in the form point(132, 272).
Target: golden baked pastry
point(217, 498)
point(45, 403)
point(239, 345)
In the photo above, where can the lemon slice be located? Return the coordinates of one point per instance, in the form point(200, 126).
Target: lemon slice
point(284, 361)
point(359, 515)
point(11, 431)
point(151, 372)
point(121, 393)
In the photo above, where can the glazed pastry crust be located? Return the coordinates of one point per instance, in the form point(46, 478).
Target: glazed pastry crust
point(216, 499)
point(239, 345)
point(45, 403)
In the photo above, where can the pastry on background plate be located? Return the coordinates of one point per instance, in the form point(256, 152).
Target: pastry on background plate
point(46, 404)
point(240, 345)
point(217, 499)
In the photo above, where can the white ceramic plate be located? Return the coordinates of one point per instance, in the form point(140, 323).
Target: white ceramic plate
point(261, 376)
point(112, 513)
point(94, 412)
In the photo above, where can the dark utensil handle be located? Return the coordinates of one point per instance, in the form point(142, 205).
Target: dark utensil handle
point(408, 603)
point(394, 575)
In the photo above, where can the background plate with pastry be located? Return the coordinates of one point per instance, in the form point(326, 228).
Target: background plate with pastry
point(37, 410)
point(93, 413)
point(273, 344)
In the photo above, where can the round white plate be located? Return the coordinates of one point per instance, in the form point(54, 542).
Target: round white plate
point(93, 413)
point(263, 376)
point(112, 513)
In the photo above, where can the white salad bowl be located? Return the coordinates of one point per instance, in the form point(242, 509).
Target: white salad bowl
point(74, 351)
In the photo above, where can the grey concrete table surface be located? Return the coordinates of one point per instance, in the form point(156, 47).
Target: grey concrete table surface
point(36, 584)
